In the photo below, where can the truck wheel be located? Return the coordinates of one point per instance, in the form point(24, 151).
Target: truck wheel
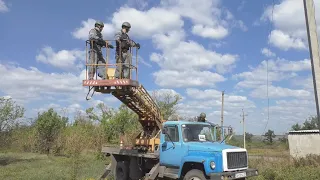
point(194, 174)
point(122, 170)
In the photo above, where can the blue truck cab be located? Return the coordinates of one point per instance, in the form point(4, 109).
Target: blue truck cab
point(190, 150)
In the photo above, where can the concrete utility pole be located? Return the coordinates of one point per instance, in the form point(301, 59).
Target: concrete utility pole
point(222, 104)
point(244, 130)
point(309, 10)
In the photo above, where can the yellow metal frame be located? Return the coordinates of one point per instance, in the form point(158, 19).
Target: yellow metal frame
point(111, 67)
point(151, 143)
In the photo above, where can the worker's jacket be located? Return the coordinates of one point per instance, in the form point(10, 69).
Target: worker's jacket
point(126, 42)
point(95, 34)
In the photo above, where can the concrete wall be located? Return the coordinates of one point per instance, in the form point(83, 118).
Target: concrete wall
point(303, 144)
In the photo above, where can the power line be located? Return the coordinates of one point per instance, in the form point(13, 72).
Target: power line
point(268, 99)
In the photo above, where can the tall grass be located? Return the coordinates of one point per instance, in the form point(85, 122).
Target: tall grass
point(283, 168)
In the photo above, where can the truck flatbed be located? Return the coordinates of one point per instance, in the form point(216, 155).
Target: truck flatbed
point(108, 150)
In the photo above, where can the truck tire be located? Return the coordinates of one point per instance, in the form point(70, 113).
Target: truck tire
point(122, 170)
point(194, 174)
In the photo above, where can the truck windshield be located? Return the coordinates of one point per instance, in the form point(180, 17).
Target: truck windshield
point(197, 132)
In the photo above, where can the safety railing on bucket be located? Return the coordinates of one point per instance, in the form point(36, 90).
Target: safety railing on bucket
point(109, 68)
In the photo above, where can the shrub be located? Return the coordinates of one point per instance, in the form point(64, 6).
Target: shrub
point(48, 126)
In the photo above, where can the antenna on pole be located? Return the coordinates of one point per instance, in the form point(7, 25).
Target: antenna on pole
point(244, 130)
point(222, 103)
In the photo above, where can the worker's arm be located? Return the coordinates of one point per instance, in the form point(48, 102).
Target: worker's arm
point(118, 37)
point(134, 44)
point(93, 36)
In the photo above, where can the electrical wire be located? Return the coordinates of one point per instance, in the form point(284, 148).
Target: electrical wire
point(268, 99)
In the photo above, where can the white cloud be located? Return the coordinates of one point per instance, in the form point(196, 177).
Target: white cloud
point(144, 24)
point(147, 23)
point(83, 32)
point(210, 19)
point(65, 111)
point(32, 84)
point(286, 41)
point(185, 55)
point(187, 63)
point(212, 98)
point(187, 78)
point(138, 4)
point(205, 13)
point(3, 7)
point(304, 82)
point(206, 94)
point(163, 92)
point(267, 52)
point(218, 32)
point(209, 101)
point(279, 92)
point(289, 112)
point(289, 32)
point(279, 70)
point(64, 59)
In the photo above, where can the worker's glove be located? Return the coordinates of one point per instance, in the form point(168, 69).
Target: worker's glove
point(110, 46)
point(101, 43)
point(138, 45)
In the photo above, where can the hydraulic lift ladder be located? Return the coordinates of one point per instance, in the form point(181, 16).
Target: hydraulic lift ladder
point(133, 95)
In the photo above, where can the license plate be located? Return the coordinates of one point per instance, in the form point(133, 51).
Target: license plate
point(240, 175)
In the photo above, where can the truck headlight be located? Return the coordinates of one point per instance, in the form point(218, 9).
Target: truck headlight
point(212, 165)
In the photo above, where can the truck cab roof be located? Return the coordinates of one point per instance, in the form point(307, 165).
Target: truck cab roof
point(184, 122)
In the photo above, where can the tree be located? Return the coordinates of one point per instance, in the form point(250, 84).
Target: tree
point(269, 136)
point(9, 113)
point(167, 102)
point(48, 126)
point(115, 123)
point(249, 137)
point(296, 127)
point(309, 124)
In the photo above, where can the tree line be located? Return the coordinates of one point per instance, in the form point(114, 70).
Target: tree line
point(311, 123)
point(51, 133)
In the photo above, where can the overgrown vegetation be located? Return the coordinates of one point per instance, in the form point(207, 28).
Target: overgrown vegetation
point(55, 147)
point(309, 124)
point(56, 136)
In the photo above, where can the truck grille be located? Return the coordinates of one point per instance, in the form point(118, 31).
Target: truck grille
point(237, 160)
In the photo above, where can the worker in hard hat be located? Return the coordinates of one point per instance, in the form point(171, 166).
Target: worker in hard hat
point(95, 53)
point(122, 38)
point(202, 117)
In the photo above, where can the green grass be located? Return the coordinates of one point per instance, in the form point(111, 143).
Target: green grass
point(285, 168)
point(35, 166)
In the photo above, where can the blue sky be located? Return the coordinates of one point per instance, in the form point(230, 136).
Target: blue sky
point(187, 47)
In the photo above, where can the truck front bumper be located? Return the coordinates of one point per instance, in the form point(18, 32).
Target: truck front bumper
point(234, 174)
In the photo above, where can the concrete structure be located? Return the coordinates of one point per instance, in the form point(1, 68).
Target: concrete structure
point(304, 142)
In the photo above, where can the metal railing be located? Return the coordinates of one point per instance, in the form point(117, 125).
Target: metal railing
point(108, 66)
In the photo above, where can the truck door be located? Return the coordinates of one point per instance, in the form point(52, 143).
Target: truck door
point(171, 150)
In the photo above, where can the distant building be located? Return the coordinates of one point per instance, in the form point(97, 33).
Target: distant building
point(304, 142)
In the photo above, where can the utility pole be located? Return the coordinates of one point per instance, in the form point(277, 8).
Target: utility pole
point(222, 103)
point(309, 10)
point(244, 130)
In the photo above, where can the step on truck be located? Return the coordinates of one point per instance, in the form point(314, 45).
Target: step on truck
point(164, 149)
